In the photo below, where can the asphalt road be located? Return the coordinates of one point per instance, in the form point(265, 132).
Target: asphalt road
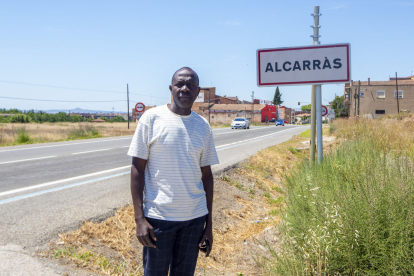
point(50, 188)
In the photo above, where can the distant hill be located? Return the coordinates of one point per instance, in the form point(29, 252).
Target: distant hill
point(80, 110)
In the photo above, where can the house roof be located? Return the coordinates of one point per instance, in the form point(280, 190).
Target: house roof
point(237, 106)
point(378, 83)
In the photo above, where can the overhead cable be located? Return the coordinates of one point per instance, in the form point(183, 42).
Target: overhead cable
point(80, 89)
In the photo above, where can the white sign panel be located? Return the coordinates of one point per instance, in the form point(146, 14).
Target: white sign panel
point(304, 65)
point(200, 98)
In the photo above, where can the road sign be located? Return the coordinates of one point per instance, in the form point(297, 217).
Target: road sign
point(324, 110)
point(304, 65)
point(139, 107)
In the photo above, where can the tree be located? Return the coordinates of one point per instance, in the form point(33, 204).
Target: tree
point(341, 110)
point(307, 107)
point(277, 99)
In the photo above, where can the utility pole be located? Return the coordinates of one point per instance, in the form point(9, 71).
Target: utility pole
point(209, 106)
point(128, 103)
point(69, 116)
point(316, 102)
point(252, 106)
point(359, 94)
point(398, 103)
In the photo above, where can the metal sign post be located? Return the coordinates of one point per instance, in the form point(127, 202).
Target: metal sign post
point(316, 97)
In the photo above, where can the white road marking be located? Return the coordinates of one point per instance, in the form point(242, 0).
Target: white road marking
point(61, 181)
point(60, 188)
point(61, 145)
point(254, 138)
point(22, 160)
point(91, 151)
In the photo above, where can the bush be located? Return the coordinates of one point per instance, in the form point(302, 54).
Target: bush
point(353, 214)
point(18, 119)
point(117, 119)
point(83, 132)
point(22, 136)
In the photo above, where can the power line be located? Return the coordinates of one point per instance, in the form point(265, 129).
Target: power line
point(60, 87)
point(41, 100)
point(72, 88)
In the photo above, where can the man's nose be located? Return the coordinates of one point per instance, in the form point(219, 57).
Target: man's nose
point(184, 88)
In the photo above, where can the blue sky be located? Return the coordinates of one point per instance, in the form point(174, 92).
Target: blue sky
point(103, 45)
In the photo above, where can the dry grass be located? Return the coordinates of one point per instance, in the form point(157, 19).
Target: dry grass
point(247, 205)
point(50, 132)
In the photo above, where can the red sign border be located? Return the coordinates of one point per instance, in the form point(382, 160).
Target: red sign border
point(347, 45)
point(142, 109)
point(326, 111)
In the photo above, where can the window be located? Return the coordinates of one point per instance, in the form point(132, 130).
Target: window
point(362, 93)
point(230, 102)
point(212, 117)
point(381, 94)
point(219, 102)
point(379, 111)
point(400, 94)
point(229, 115)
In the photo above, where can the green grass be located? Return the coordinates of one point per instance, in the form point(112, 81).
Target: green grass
point(22, 136)
point(233, 182)
point(83, 132)
point(305, 134)
point(353, 214)
point(105, 264)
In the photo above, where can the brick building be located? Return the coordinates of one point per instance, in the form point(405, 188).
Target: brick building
point(377, 98)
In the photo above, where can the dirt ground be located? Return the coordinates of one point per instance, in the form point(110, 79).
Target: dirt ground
point(248, 201)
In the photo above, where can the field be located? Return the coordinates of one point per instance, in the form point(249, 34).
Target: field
point(17, 133)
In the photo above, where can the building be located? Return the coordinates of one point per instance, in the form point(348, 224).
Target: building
point(225, 113)
point(135, 115)
point(377, 98)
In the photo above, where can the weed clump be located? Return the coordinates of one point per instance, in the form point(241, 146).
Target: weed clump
point(83, 132)
point(22, 136)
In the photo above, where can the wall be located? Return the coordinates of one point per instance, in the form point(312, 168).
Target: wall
point(370, 103)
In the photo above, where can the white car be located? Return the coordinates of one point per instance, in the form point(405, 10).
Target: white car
point(240, 123)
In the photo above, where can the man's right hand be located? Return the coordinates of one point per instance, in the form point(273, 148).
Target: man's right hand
point(145, 232)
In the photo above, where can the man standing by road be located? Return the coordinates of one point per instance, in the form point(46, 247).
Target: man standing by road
point(172, 152)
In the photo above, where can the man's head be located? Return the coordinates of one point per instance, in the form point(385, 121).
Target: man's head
point(184, 87)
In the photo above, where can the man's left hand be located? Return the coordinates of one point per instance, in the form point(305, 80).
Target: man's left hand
point(207, 235)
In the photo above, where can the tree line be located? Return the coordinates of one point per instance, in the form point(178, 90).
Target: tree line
point(30, 116)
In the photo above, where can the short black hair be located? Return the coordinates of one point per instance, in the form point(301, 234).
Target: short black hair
point(186, 68)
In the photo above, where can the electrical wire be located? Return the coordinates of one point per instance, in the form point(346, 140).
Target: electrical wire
point(41, 100)
point(80, 89)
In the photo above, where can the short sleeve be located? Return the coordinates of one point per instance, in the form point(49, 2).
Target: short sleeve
point(209, 154)
point(140, 142)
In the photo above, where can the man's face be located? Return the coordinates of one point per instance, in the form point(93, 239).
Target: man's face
point(184, 88)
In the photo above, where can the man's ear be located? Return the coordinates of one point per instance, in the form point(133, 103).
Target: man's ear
point(170, 87)
point(198, 92)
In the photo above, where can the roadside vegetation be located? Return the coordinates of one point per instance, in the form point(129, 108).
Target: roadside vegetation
point(32, 116)
point(353, 213)
point(29, 133)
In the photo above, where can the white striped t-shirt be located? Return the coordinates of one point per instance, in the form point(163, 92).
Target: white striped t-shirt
point(175, 147)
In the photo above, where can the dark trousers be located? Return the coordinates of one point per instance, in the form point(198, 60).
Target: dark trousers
point(176, 247)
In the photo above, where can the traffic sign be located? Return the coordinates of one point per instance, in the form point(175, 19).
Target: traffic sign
point(139, 107)
point(324, 110)
point(304, 65)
